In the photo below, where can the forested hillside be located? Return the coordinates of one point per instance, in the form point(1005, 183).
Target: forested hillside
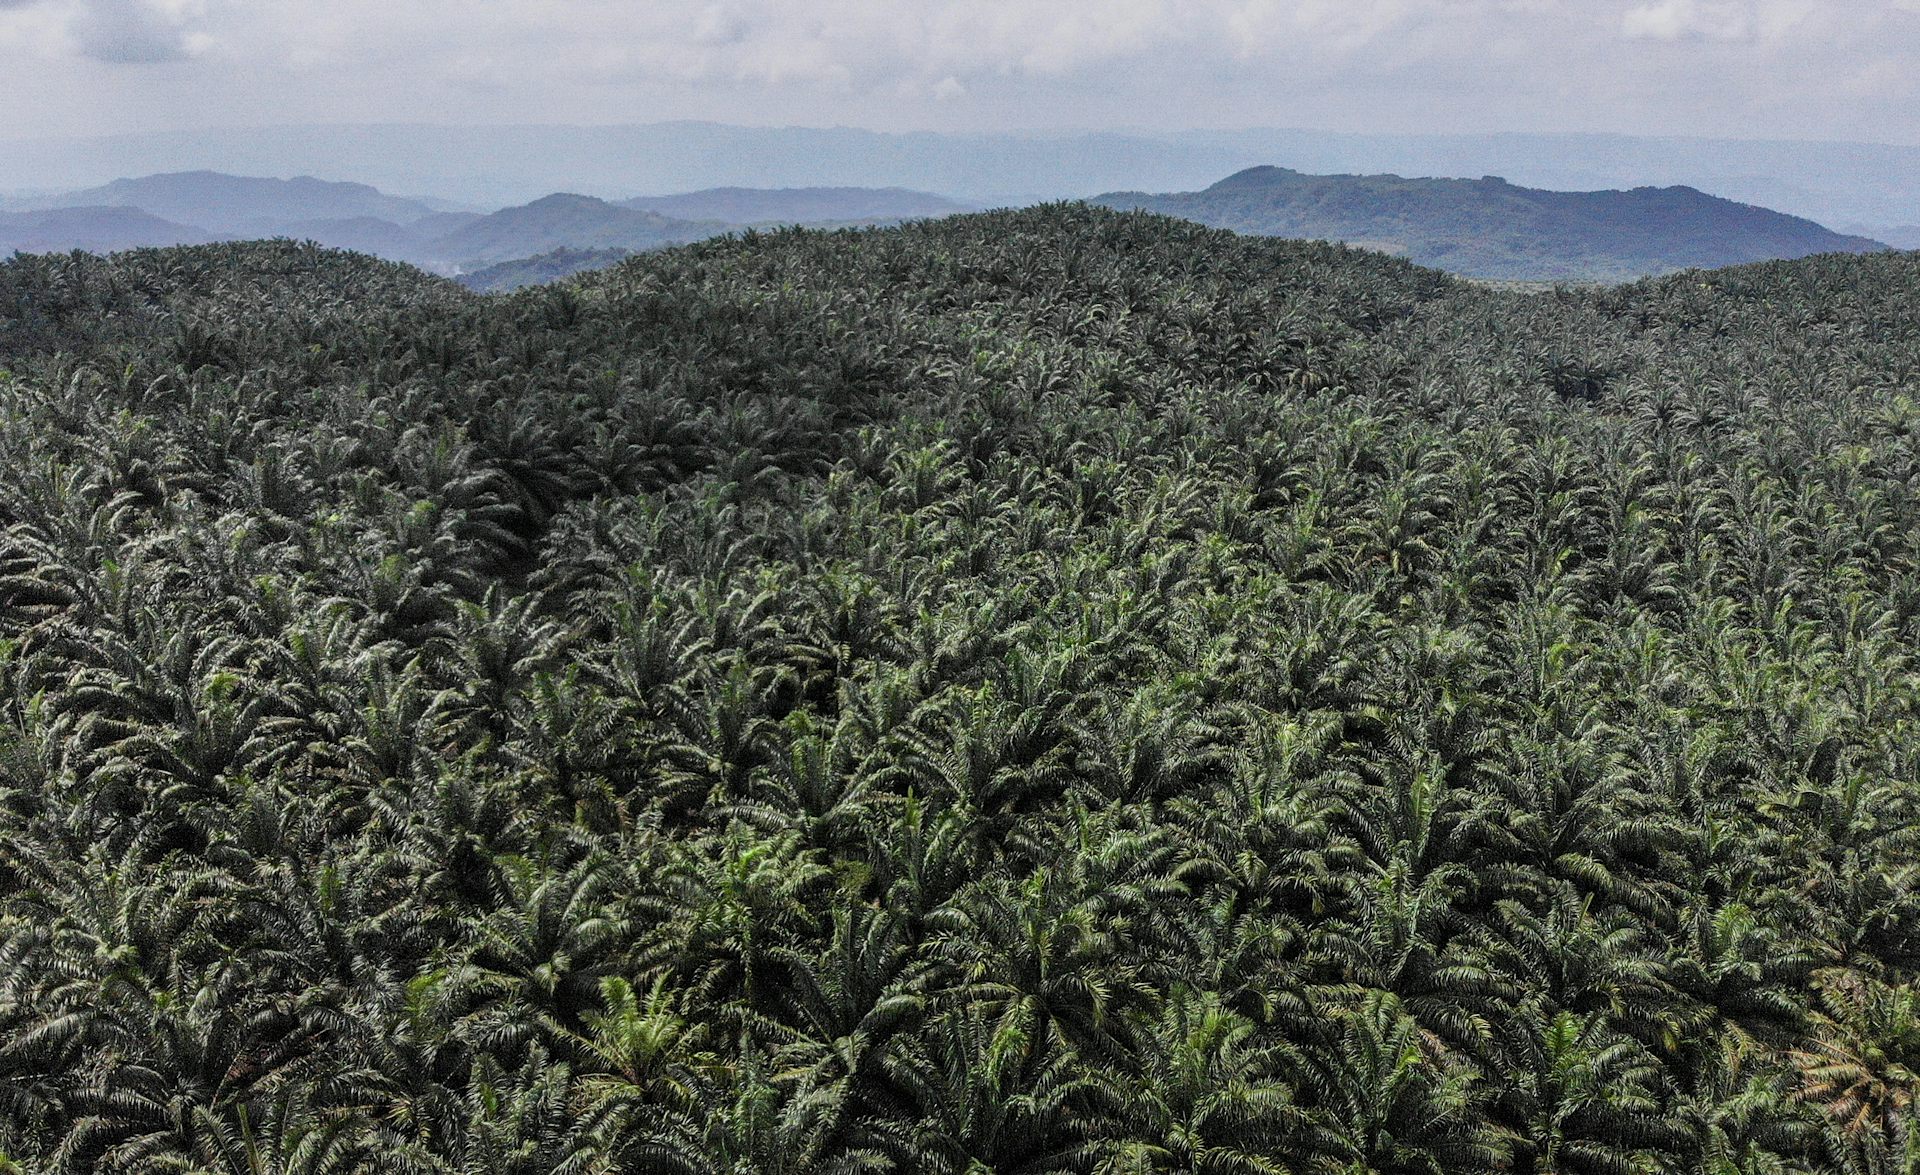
point(240, 205)
point(1056, 691)
point(564, 221)
point(1489, 228)
point(98, 229)
point(547, 267)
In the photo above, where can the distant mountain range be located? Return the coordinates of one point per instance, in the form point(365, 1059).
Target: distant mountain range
point(565, 220)
point(243, 205)
point(802, 205)
point(92, 230)
point(200, 206)
point(1492, 229)
point(492, 166)
point(1483, 228)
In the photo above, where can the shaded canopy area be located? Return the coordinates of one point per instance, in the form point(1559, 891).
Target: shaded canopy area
point(1050, 691)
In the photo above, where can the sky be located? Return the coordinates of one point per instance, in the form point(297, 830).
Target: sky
point(1814, 69)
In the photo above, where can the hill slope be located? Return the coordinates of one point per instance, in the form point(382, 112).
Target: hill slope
point(1051, 692)
point(346, 216)
point(242, 205)
point(566, 221)
point(93, 230)
point(1492, 229)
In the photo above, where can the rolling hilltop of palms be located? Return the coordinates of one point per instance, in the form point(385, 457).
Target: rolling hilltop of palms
point(1050, 691)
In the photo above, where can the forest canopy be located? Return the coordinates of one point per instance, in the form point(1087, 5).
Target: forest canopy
point(1054, 691)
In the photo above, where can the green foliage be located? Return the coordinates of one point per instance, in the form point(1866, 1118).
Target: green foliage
point(1056, 691)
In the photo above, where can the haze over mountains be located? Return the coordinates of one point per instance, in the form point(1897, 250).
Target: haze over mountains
point(1861, 186)
point(241, 205)
point(92, 229)
point(567, 220)
point(1490, 228)
point(196, 207)
point(801, 205)
point(1482, 228)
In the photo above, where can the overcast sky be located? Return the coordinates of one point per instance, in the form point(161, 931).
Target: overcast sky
point(1831, 69)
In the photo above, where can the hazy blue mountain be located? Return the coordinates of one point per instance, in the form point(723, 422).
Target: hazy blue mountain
point(686, 216)
point(1492, 228)
point(801, 205)
point(95, 230)
point(533, 271)
point(564, 220)
point(243, 205)
point(1833, 183)
point(444, 241)
point(1828, 182)
point(441, 223)
point(1482, 227)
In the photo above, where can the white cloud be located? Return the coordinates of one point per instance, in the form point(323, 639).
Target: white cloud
point(1719, 20)
point(1265, 27)
point(1593, 64)
point(1671, 20)
point(135, 32)
point(115, 32)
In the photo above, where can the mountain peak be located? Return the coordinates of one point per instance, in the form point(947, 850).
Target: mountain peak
point(1263, 176)
point(567, 200)
point(564, 220)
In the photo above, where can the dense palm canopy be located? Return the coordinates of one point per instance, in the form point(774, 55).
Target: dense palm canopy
point(1057, 691)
